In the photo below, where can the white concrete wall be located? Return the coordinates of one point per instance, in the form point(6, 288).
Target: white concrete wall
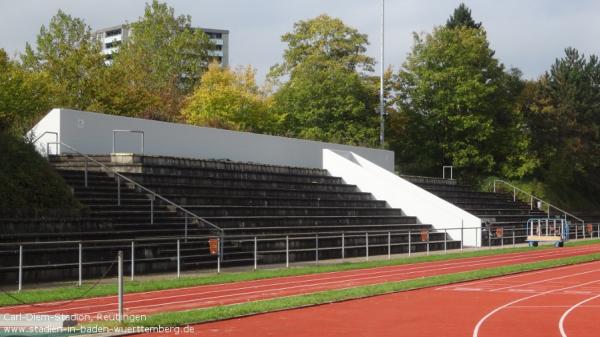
point(400, 193)
point(50, 123)
point(91, 133)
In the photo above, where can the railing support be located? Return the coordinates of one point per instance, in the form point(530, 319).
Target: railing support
point(513, 237)
point(255, 253)
point(132, 259)
point(120, 286)
point(80, 265)
point(445, 241)
point(186, 227)
point(20, 268)
point(152, 210)
point(367, 246)
point(389, 245)
point(409, 242)
point(85, 173)
point(343, 246)
point(287, 251)
point(317, 248)
point(178, 259)
point(118, 191)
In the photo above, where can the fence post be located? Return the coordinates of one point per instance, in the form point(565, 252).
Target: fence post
point(598, 231)
point(513, 237)
point(462, 234)
point(317, 248)
point(367, 246)
point(118, 191)
point(178, 259)
point(389, 245)
point(489, 237)
point(514, 194)
point(132, 259)
point(343, 246)
point(219, 253)
point(576, 233)
point(287, 251)
point(20, 267)
point(186, 227)
point(152, 210)
point(445, 241)
point(85, 173)
point(120, 286)
point(409, 242)
point(255, 253)
point(428, 234)
point(80, 265)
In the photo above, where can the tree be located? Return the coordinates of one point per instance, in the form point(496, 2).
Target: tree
point(327, 97)
point(462, 18)
point(324, 38)
point(326, 101)
point(565, 121)
point(165, 58)
point(23, 96)
point(456, 101)
point(230, 100)
point(70, 59)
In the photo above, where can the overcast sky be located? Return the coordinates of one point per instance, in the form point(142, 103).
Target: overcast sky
point(528, 34)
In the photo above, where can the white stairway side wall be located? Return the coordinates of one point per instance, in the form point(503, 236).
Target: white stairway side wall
point(400, 193)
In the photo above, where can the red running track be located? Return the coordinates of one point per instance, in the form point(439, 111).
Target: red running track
point(239, 292)
point(557, 302)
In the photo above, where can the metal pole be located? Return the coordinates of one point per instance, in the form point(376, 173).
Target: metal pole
point(120, 286)
point(80, 264)
point(118, 191)
point(367, 246)
point(343, 246)
point(409, 242)
point(178, 259)
point(513, 235)
point(186, 227)
point(489, 237)
point(428, 242)
point(317, 248)
point(494, 186)
point(132, 259)
point(462, 234)
point(287, 251)
point(152, 210)
point(445, 241)
point(382, 68)
point(20, 267)
point(85, 173)
point(255, 253)
point(514, 194)
point(389, 245)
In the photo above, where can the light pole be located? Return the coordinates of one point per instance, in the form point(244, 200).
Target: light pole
point(381, 103)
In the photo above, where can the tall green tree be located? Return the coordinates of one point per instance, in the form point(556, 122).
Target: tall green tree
point(327, 96)
point(324, 38)
point(456, 102)
point(462, 18)
point(23, 96)
point(230, 100)
point(565, 122)
point(165, 58)
point(70, 59)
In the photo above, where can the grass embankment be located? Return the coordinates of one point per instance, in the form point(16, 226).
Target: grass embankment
point(28, 184)
point(68, 293)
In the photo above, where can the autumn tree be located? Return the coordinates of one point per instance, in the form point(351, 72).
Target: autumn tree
point(230, 100)
point(162, 61)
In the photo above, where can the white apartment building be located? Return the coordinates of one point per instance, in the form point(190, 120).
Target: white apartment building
point(112, 37)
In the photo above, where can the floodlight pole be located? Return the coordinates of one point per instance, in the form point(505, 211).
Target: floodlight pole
point(381, 103)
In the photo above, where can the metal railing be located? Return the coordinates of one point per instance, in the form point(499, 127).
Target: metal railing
point(47, 133)
point(303, 247)
point(532, 198)
point(151, 194)
point(114, 132)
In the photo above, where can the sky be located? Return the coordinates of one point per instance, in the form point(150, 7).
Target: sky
point(527, 34)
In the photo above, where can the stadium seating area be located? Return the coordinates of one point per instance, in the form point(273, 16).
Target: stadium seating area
point(243, 199)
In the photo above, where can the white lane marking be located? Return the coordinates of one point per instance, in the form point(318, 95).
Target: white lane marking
point(537, 282)
point(493, 312)
point(561, 322)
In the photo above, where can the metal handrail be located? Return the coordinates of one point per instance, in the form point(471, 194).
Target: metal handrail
point(130, 131)
point(533, 197)
point(42, 135)
point(138, 185)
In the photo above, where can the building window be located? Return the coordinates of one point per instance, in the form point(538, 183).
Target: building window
point(112, 44)
point(113, 32)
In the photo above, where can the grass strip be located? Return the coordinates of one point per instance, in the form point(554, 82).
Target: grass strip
point(68, 293)
point(251, 308)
